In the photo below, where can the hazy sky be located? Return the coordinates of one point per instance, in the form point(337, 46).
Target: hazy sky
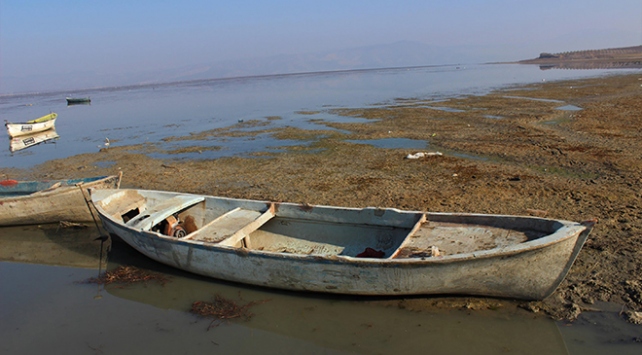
point(40, 37)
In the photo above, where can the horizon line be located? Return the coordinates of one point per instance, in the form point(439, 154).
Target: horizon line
point(259, 76)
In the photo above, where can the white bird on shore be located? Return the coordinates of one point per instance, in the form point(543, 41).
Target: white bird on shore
point(105, 145)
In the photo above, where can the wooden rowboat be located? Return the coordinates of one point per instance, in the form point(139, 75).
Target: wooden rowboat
point(26, 141)
point(38, 125)
point(370, 251)
point(38, 202)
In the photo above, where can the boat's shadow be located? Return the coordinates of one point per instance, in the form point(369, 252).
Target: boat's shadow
point(52, 244)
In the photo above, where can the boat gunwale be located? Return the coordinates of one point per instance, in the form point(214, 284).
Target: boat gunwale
point(50, 191)
point(50, 117)
point(514, 249)
point(10, 124)
point(566, 230)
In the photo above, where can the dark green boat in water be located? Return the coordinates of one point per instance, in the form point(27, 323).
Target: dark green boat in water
point(78, 100)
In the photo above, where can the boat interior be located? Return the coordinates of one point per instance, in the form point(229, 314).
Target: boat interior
point(317, 230)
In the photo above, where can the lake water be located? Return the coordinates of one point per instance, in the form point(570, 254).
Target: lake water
point(45, 307)
point(148, 114)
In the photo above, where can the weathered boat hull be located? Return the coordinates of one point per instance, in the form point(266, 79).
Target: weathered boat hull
point(528, 270)
point(23, 203)
point(30, 127)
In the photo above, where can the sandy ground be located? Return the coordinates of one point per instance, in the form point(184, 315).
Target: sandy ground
point(504, 152)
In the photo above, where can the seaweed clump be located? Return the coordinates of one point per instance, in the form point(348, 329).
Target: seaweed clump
point(222, 309)
point(126, 275)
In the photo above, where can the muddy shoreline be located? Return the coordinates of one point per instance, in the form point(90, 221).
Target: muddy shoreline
point(513, 151)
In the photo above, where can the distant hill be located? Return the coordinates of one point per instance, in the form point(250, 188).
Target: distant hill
point(624, 57)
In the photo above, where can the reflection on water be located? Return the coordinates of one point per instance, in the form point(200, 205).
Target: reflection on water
point(81, 102)
point(46, 308)
point(50, 244)
point(30, 140)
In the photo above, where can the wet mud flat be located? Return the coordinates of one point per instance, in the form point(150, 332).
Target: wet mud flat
point(518, 150)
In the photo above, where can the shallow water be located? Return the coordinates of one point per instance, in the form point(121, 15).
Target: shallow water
point(47, 307)
point(152, 114)
point(569, 108)
point(393, 143)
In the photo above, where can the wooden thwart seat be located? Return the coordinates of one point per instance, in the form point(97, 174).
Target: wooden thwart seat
point(409, 237)
point(232, 227)
point(128, 204)
point(150, 217)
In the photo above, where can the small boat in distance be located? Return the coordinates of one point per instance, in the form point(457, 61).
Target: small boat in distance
point(51, 201)
point(369, 251)
point(24, 142)
point(38, 125)
point(78, 101)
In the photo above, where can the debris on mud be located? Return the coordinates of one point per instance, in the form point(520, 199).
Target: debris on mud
point(65, 224)
point(634, 317)
point(222, 309)
point(126, 275)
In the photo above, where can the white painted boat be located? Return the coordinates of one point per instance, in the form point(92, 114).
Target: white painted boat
point(24, 142)
point(370, 251)
point(38, 202)
point(38, 125)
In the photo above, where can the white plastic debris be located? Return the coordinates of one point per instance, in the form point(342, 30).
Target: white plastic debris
point(420, 155)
